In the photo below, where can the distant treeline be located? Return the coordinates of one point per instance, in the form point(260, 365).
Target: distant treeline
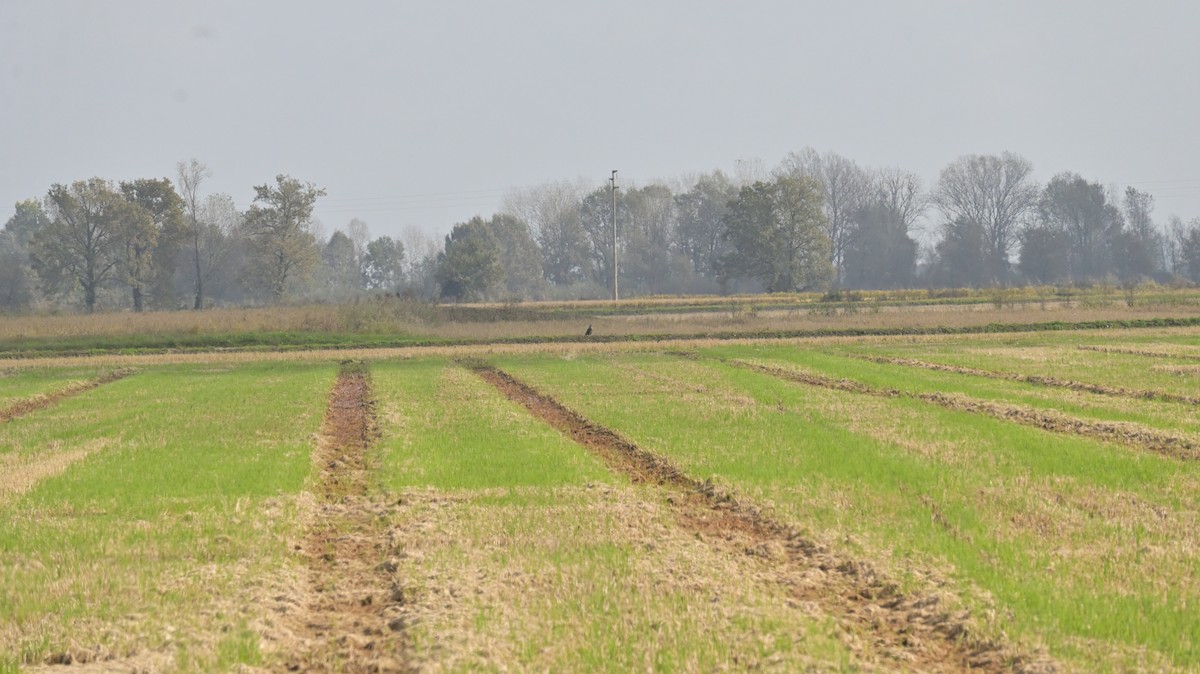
point(815, 222)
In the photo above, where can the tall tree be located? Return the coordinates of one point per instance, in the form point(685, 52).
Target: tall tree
point(520, 260)
point(17, 279)
point(189, 176)
point(152, 231)
point(1092, 226)
point(469, 268)
point(651, 259)
point(881, 254)
point(1044, 254)
point(1140, 251)
point(16, 276)
point(552, 212)
point(341, 265)
point(282, 247)
point(846, 189)
point(596, 218)
point(216, 239)
point(777, 234)
point(700, 213)
point(994, 192)
point(383, 264)
point(1190, 250)
point(82, 243)
point(960, 257)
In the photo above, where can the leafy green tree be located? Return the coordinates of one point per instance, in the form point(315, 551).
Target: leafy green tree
point(17, 279)
point(152, 232)
point(845, 189)
point(520, 259)
point(595, 217)
point(469, 267)
point(701, 212)
point(341, 264)
point(1092, 226)
point(1190, 249)
point(880, 253)
point(961, 257)
point(652, 260)
point(278, 227)
point(82, 245)
point(383, 264)
point(1140, 249)
point(777, 235)
point(1044, 252)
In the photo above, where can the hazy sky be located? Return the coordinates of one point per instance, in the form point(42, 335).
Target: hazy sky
point(426, 113)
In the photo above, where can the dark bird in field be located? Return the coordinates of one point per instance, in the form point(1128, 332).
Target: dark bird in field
point(588, 332)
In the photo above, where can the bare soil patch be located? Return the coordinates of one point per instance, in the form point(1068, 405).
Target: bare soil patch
point(884, 626)
point(1037, 380)
point(43, 401)
point(1129, 434)
point(349, 617)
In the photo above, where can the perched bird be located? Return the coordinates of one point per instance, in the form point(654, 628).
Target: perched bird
point(588, 333)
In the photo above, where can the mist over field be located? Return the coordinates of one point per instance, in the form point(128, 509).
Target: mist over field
point(947, 144)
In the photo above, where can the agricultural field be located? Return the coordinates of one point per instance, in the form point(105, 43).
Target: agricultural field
point(1024, 501)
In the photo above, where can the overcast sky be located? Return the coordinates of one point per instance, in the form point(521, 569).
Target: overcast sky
point(426, 113)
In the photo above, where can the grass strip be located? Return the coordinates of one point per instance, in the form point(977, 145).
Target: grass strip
point(252, 342)
point(898, 622)
point(1054, 539)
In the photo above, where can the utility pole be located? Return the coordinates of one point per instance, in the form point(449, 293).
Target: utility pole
point(613, 181)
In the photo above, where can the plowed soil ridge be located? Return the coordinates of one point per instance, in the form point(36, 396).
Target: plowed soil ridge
point(1129, 434)
point(351, 620)
point(887, 629)
point(1038, 380)
point(39, 402)
point(1139, 352)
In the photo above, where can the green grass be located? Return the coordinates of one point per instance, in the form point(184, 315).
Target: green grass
point(1051, 355)
point(1086, 546)
point(1161, 415)
point(522, 551)
point(17, 385)
point(446, 428)
point(184, 500)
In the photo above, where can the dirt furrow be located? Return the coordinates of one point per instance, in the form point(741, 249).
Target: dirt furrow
point(1129, 434)
point(887, 629)
point(39, 402)
point(1038, 380)
point(1138, 352)
point(351, 619)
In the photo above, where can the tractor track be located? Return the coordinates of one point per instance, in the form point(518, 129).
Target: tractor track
point(350, 619)
point(1139, 352)
point(1038, 380)
point(1128, 434)
point(40, 402)
point(889, 630)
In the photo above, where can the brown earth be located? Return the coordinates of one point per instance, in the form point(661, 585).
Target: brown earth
point(1129, 434)
point(39, 402)
point(349, 619)
point(884, 627)
point(1050, 382)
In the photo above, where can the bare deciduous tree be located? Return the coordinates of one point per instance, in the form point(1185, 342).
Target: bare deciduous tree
point(189, 176)
point(994, 192)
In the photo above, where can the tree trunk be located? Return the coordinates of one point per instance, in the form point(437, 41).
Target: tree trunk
point(199, 280)
point(137, 299)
